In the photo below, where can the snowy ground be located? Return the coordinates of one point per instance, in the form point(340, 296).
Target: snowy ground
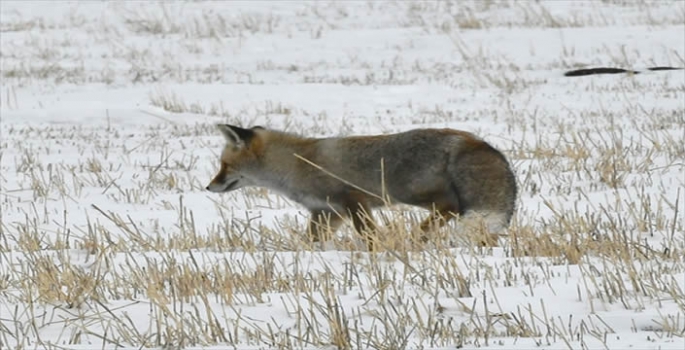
point(108, 239)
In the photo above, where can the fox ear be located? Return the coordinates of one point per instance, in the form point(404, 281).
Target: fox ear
point(236, 135)
point(228, 133)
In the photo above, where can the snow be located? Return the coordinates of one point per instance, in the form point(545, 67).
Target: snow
point(109, 240)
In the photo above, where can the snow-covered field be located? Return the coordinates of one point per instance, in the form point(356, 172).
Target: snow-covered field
point(109, 240)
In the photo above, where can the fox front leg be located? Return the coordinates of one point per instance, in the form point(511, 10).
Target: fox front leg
point(322, 224)
point(364, 224)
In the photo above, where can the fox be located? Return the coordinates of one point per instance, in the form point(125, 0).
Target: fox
point(451, 173)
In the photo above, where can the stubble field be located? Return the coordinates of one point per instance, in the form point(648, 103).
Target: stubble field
point(109, 240)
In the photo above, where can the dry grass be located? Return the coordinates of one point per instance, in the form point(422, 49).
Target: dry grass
point(204, 286)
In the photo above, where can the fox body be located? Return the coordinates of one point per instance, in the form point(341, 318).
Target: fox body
point(447, 171)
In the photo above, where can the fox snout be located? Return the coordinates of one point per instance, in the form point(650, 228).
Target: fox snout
point(224, 181)
point(221, 184)
point(214, 187)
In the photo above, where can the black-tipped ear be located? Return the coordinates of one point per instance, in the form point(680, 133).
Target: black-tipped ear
point(245, 135)
point(236, 135)
point(229, 134)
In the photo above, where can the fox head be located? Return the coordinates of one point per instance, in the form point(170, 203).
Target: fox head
point(239, 156)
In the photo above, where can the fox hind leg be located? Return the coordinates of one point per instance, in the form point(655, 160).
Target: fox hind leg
point(437, 219)
point(484, 226)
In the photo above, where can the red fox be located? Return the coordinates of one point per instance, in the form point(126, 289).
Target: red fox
point(450, 172)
